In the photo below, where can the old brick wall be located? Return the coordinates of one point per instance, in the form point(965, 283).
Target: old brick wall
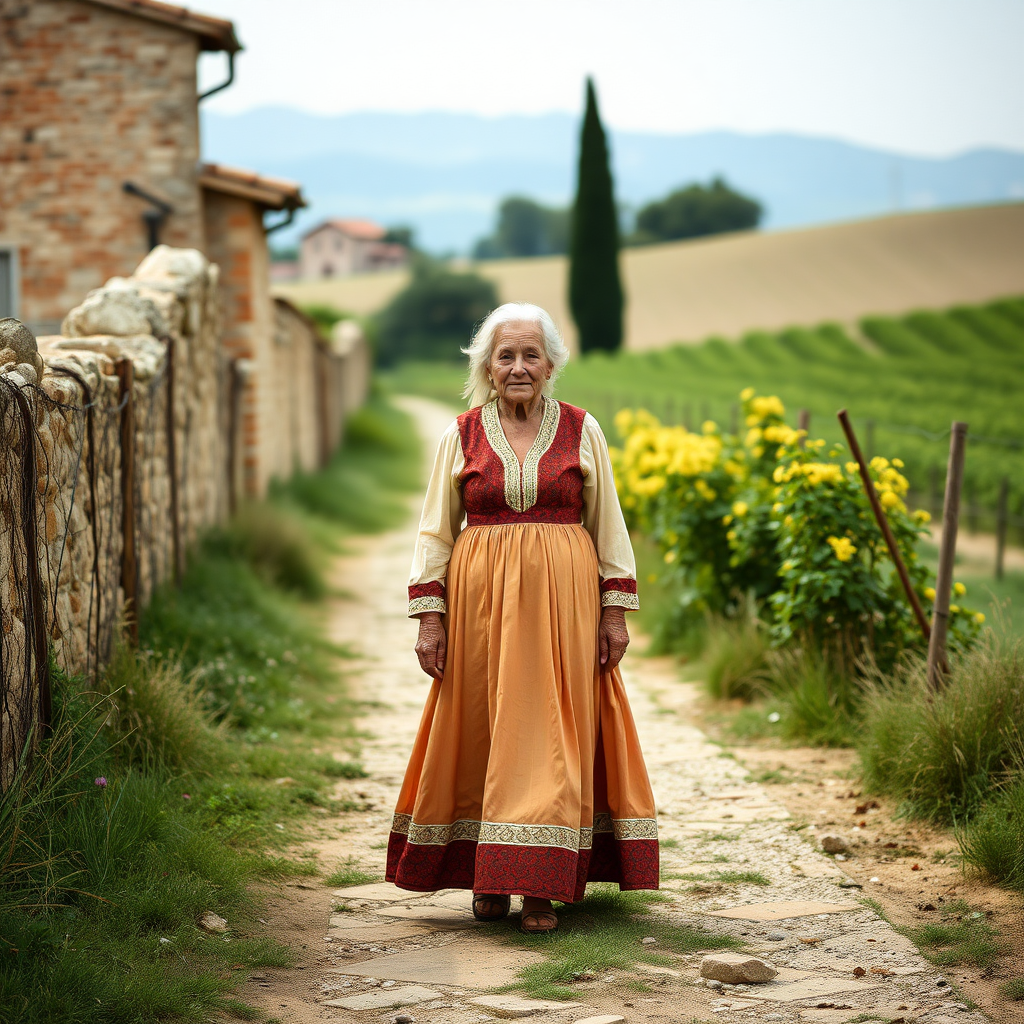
point(62, 515)
point(91, 98)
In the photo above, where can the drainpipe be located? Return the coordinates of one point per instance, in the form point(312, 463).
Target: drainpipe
point(154, 217)
point(224, 84)
point(270, 229)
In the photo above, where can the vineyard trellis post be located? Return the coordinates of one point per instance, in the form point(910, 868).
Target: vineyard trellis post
point(129, 559)
point(803, 422)
point(883, 524)
point(172, 464)
point(35, 621)
point(937, 664)
point(1002, 521)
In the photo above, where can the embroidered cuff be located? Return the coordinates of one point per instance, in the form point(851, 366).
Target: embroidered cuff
point(427, 597)
point(619, 592)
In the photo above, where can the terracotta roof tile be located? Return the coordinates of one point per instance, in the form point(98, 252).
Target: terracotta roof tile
point(354, 228)
point(274, 193)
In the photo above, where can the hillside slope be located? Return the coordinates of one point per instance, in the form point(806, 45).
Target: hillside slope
point(687, 291)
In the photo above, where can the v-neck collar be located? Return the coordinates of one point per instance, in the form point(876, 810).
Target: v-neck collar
point(520, 480)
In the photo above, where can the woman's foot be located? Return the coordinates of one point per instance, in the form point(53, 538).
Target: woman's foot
point(490, 907)
point(539, 916)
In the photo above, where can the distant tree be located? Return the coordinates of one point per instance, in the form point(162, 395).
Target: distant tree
point(525, 228)
point(695, 211)
point(325, 316)
point(595, 289)
point(284, 253)
point(401, 234)
point(434, 315)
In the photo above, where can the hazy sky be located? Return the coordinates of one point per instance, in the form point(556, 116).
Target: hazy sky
point(920, 76)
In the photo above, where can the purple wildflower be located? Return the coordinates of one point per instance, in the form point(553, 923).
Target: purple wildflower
point(101, 782)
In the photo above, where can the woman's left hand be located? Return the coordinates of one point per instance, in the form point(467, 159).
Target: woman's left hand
point(613, 637)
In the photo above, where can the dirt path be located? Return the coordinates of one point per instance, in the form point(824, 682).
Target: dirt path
point(375, 953)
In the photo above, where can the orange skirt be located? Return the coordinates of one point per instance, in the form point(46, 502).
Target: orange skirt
point(526, 776)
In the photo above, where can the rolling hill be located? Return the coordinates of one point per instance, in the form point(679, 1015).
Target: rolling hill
point(729, 284)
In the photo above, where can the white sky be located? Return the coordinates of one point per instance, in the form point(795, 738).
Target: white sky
point(919, 76)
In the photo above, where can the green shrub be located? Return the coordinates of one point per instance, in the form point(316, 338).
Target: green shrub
point(993, 841)
point(941, 753)
point(277, 544)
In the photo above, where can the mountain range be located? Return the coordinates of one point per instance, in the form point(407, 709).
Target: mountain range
point(444, 174)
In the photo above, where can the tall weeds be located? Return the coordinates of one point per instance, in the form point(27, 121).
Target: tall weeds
point(942, 753)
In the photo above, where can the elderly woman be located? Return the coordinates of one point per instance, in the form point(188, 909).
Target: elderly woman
point(526, 776)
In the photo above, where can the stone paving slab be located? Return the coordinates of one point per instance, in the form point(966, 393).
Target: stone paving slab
point(374, 931)
point(809, 988)
point(383, 999)
point(783, 910)
point(512, 1007)
point(383, 891)
point(465, 964)
point(434, 917)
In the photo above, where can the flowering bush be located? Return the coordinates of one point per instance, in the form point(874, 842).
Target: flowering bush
point(774, 517)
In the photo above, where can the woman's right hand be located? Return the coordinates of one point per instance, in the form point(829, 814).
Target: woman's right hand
point(432, 644)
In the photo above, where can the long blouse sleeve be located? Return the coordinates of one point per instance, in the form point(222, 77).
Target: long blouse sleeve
point(602, 519)
point(440, 524)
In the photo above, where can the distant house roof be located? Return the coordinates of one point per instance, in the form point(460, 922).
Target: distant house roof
point(365, 230)
point(273, 193)
point(214, 33)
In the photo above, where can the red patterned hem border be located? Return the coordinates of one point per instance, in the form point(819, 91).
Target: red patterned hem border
point(622, 584)
point(545, 872)
point(427, 597)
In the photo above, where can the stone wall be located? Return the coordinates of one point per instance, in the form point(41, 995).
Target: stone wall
point(92, 98)
point(65, 509)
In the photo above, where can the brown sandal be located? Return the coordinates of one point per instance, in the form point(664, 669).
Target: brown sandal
point(543, 922)
point(481, 900)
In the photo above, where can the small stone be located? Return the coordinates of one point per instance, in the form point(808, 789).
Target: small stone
point(649, 940)
point(736, 969)
point(515, 1006)
point(713, 983)
point(832, 842)
point(403, 1018)
point(387, 984)
point(776, 936)
point(212, 923)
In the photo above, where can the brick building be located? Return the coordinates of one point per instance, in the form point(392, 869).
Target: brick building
point(234, 204)
point(340, 248)
point(95, 94)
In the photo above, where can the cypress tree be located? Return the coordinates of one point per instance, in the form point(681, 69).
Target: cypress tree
point(595, 290)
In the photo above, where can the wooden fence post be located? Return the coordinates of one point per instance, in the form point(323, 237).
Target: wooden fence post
point(129, 563)
point(883, 524)
point(803, 422)
point(937, 664)
point(172, 464)
point(1002, 521)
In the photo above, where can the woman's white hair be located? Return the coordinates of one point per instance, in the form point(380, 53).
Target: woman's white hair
point(478, 389)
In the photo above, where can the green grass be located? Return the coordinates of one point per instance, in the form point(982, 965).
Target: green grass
point(993, 841)
point(349, 873)
point(1012, 990)
point(962, 937)
point(603, 932)
point(201, 742)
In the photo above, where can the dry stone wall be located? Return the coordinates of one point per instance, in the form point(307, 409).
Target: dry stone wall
point(91, 467)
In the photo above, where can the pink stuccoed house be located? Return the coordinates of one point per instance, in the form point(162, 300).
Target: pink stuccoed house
point(341, 248)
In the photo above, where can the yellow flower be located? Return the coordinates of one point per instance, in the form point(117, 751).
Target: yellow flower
point(739, 508)
point(889, 500)
point(954, 609)
point(787, 566)
point(624, 421)
point(779, 475)
point(746, 394)
point(726, 520)
point(959, 589)
point(878, 463)
point(752, 420)
point(731, 535)
point(929, 593)
point(842, 547)
point(898, 463)
point(670, 557)
point(778, 507)
point(652, 577)
point(979, 617)
point(852, 467)
point(922, 517)
point(709, 427)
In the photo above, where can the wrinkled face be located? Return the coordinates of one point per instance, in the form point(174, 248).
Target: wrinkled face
point(519, 367)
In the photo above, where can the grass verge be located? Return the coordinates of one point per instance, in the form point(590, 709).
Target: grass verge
point(183, 776)
point(963, 936)
point(603, 932)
